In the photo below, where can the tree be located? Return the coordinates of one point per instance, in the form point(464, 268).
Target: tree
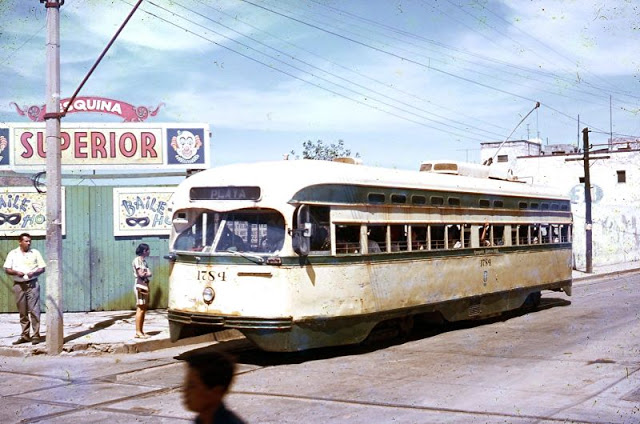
point(319, 151)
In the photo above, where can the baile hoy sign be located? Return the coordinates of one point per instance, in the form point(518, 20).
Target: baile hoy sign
point(102, 145)
point(24, 210)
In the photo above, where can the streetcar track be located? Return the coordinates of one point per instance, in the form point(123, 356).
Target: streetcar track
point(409, 407)
point(102, 406)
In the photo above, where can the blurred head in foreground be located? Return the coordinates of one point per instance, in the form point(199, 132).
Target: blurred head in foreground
point(207, 380)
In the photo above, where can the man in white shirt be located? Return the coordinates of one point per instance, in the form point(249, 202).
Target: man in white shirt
point(24, 264)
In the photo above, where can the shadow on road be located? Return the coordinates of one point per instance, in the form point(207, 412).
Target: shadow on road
point(246, 353)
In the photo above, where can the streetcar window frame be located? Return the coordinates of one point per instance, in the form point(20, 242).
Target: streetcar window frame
point(453, 201)
point(398, 198)
point(418, 200)
point(437, 200)
point(376, 198)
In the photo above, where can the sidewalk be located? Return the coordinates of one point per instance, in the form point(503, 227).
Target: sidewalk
point(87, 333)
point(92, 333)
point(599, 271)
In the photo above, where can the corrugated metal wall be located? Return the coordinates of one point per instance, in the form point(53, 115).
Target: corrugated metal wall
point(96, 266)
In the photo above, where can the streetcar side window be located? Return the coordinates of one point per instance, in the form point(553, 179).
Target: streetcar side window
point(399, 238)
point(419, 237)
point(484, 235)
point(437, 236)
point(493, 235)
point(555, 233)
point(544, 234)
point(347, 239)
point(532, 235)
point(497, 235)
point(377, 238)
point(454, 237)
point(565, 233)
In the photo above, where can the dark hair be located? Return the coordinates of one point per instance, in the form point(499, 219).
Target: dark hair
point(214, 368)
point(23, 235)
point(142, 247)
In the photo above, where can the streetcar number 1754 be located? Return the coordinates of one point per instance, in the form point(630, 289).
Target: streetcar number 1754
point(207, 275)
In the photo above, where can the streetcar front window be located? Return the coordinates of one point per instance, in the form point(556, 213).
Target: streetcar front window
point(250, 231)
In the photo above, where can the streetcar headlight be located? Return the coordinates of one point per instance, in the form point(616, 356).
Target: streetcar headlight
point(208, 294)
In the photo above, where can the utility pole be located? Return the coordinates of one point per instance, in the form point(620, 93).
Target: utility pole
point(587, 202)
point(610, 123)
point(54, 304)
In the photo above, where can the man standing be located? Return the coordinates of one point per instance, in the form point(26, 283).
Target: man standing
point(24, 264)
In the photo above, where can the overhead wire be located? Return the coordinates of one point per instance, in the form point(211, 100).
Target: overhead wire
point(354, 83)
point(546, 74)
point(535, 53)
point(427, 66)
point(6, 59)
point(465, 136)
point(473, 70)
point(559, 54)
point(571, 82)
point(28, 40)
point(350, 70)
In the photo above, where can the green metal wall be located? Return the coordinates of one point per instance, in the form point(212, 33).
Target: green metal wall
point(96, 265)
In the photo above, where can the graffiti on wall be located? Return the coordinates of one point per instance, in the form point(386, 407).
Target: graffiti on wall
point(141, 211)
point(23, 210)
point(577, 193)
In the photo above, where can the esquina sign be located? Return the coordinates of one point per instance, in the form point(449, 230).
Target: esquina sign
point(128, 112)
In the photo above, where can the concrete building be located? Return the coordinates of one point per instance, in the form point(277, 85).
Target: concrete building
point(615, 189)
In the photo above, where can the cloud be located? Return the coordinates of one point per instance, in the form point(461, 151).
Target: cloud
point(591, 35)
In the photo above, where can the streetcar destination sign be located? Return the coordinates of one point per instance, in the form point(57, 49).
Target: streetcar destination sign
point(225, 193)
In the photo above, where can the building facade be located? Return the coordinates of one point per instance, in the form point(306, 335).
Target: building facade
point(615, 190)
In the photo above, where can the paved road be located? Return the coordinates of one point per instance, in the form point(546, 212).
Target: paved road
point(565, 363)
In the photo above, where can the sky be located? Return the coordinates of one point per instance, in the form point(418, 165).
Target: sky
point(400, 82)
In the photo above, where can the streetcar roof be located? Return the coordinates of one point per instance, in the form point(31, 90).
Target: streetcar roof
point(282, 179)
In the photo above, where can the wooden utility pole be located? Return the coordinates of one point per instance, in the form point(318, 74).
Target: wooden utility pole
point(54, 300)
point(587, 202)
point(54, 304)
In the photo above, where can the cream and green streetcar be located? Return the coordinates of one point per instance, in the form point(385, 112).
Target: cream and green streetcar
point(304, 254)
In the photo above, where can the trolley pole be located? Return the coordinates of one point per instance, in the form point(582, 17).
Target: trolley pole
point(54, 304)
point(587, 200)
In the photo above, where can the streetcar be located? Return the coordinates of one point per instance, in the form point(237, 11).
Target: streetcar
point(301, 254)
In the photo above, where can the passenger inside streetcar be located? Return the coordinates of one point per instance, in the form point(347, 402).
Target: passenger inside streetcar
point(486, 235)
point(454, 241)
point(275, 236)
point(230, 241)
point(376, 237)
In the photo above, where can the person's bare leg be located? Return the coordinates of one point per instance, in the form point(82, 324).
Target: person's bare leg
point(140, 312)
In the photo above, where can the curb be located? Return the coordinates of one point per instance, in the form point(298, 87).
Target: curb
point(90, 349)
point(587, 277)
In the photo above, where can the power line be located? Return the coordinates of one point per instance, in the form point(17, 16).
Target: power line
point(348, 81)
point(427, 66)
point(465, 136)
point(616, 89)
point(387, 86)
point(544, 74)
